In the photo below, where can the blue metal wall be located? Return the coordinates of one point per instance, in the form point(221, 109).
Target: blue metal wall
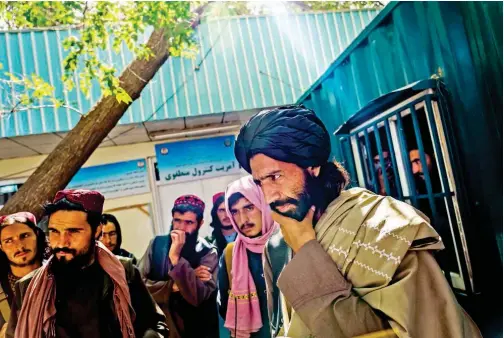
point(410, 41)
point(244, 63)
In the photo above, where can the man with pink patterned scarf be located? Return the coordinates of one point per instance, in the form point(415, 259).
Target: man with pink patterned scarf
point(242, 287)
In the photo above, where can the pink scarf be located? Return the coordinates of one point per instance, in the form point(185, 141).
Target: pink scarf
point(243, 299)
point(37, 317)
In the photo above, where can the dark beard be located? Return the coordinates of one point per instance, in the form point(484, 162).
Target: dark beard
point(189, 249)
point(420, 184)
point(73, 266)
point(304, 201)
point(226, 227)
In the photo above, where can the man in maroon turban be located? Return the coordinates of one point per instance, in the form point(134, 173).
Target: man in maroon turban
point(84, 290)
point(180, 270)
point(223, 232)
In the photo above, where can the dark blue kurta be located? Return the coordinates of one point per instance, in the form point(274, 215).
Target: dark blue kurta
point(256, 268)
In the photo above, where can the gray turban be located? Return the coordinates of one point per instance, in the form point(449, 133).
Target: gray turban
point(292, 134)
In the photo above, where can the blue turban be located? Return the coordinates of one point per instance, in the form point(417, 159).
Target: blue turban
point(292, 134)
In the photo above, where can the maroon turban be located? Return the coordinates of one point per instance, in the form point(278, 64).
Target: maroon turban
point(217, 196)
point(90, 200)
point(195, 201)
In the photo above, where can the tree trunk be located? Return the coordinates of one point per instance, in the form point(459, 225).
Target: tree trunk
point(75, 149)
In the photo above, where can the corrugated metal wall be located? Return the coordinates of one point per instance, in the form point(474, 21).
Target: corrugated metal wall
point(410, 41)
point(248, 63)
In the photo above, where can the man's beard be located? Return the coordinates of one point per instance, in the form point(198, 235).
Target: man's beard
point(226, 227)
point(66, 267)
point(23, 264)
point(304, 201)
point(420, 183)
point(189, 248)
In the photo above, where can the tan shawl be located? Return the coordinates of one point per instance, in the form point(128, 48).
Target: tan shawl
point(368, 236)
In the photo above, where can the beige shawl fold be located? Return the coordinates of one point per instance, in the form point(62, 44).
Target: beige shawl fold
point(368, 236)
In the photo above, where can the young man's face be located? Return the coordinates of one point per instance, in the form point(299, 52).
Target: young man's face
point(247, 217)
point(222, 214)
point(19, 243)
point(388, 164)
point(70, 235)
point(285, 185)
point(109, 236)
point(186, 222)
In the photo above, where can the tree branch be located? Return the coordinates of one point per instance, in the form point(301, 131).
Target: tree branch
point(199, 13)
point(14, 110)
point(84, 11)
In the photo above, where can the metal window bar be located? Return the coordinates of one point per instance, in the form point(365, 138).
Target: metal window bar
point(445, 186)
point(405, 156)
point(354, 145)
point(435, 195)
point(423, 160)
point(370, 161)
point(388, 115)
point(363, 165)
point(447, 192)
point(350, 159)
point(342, 151)
point(393, 159)
point(382, 160)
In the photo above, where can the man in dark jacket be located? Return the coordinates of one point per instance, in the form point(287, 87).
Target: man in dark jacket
point(180, 270)
point(83, 290)
point(111, 237)
point(223, 232)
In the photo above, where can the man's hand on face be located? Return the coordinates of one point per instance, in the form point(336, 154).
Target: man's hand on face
point(175, 288)
point(203, 273)
point(178, 238)
point(296, 234)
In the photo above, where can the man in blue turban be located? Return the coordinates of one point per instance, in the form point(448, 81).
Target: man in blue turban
point(362, 262)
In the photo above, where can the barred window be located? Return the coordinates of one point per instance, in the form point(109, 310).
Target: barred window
point(399, 149)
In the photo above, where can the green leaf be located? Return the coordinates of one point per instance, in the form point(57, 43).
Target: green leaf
point(69, 84)
point(57, 103)
point(12, 77)
point(122, 96)
point(122, 23)
point(25, 99)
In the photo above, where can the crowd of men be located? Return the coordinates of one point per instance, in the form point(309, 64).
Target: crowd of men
point(293, 253)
